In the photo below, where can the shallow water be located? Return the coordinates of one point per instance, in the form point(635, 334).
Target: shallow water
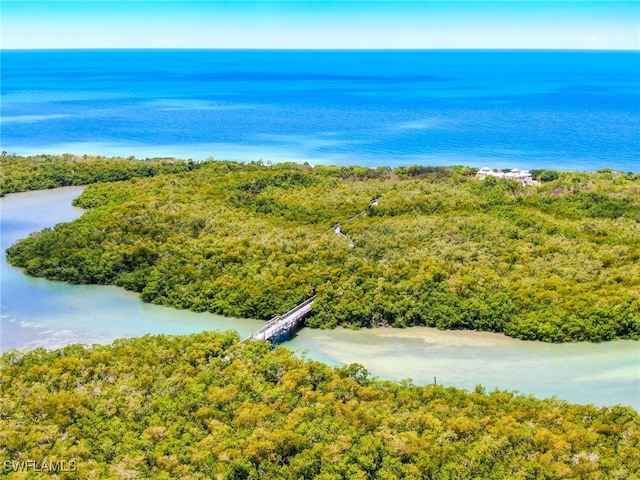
point(605, 373)
point(38, 312)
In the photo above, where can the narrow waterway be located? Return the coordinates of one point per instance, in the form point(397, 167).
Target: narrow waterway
point(38, 312)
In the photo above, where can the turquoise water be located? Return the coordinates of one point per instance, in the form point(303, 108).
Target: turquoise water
point(527, 109)
point(562, 110)
point(38, 312)
point(604, 374)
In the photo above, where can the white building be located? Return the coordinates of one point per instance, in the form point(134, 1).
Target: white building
point(523, 176)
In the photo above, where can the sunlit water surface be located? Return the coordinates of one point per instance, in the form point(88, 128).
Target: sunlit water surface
point(38, 312)
point(569, 110)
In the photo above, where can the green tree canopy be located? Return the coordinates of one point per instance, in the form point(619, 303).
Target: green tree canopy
point(204, 406)
point(439, 247)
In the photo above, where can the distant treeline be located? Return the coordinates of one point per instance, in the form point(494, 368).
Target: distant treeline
point(41, 172)
point(438, 247)
point(205, 407)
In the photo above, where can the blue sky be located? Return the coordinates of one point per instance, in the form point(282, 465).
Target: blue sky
point(577, 24)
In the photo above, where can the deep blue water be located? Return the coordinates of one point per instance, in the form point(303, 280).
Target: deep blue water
point(526, 109)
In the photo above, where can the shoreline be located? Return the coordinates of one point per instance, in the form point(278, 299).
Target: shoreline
point(266, 153)
point(591, 372)
point(414, 171)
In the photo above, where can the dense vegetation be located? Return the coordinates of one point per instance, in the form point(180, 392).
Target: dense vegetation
point(204, 406)
point(19, 174)
point(558, 262)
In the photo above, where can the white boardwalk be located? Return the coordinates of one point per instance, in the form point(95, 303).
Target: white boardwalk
point(282, 326)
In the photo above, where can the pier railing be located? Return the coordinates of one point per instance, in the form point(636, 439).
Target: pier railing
point(283, 324)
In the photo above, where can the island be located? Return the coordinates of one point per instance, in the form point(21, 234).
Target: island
point(555, 260)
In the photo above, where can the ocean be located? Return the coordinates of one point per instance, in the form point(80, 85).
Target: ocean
point(569, 110)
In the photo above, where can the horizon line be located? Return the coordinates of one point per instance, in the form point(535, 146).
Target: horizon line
point(390, 49)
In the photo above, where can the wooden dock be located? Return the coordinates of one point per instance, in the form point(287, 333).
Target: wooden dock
point(280, 328)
